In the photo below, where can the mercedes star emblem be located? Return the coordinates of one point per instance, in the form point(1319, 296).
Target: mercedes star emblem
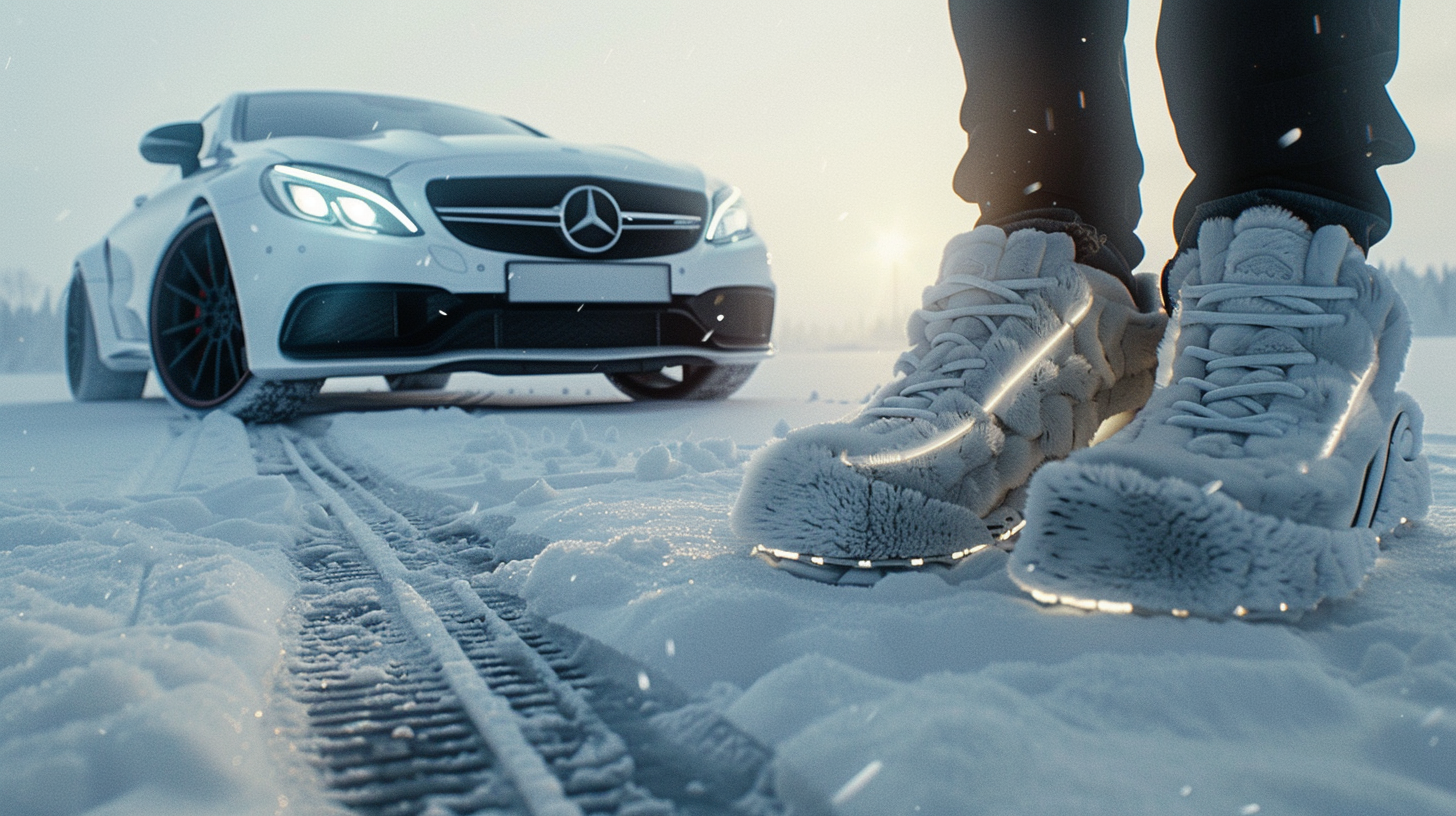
point(591, 221)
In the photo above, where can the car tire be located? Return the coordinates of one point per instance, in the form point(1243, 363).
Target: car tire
point(89, 378)
point(199, 350)
point(698, 382)
point(418, 382)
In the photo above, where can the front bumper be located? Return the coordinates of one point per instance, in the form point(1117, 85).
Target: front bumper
point(427, 327)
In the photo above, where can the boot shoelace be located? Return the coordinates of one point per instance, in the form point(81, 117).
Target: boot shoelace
point(1301, 313)
point(917, 392)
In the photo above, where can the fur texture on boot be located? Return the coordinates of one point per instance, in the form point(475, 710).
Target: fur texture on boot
point(1019, 355)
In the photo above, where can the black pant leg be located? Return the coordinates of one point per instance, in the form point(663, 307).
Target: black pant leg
point(1284, 102)
point(1047, 115)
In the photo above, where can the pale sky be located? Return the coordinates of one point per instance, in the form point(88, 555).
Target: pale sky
point(838, 120)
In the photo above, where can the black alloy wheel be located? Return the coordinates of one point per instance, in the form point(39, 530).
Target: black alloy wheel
point(197, 328)
point(77, 335)
point(88, 377)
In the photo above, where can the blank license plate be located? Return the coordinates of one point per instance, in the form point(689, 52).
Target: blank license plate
point(588, 283)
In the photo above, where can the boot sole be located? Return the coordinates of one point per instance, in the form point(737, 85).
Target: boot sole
point(1005, 524)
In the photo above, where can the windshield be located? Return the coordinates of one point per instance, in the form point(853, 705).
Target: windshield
point(351, 115)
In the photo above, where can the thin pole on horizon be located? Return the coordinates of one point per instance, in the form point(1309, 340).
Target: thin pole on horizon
point(891, 247)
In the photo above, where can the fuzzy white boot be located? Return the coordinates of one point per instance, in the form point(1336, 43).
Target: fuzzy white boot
point(1261, 474)
point(1020, 353)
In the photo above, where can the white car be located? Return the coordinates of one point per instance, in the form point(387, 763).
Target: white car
point(317, 234)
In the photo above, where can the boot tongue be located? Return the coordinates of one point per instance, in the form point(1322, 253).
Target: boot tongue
point(1265, 255)
point(1241, 340)
point(1260, 256)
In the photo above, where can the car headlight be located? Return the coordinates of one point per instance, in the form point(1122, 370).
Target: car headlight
point(337, 198)
point(730, 221)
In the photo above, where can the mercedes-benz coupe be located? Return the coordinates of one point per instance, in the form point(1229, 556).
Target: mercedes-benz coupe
point(311, 234)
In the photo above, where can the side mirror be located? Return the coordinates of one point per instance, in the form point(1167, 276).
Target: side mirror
point(176, 144)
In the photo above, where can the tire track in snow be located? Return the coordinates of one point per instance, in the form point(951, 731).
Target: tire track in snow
point(387, 734)
point(543, 734)
point(684, 749)
point(491, 713)
point(616, 740)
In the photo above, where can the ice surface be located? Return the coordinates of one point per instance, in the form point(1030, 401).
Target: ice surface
point(141, 582)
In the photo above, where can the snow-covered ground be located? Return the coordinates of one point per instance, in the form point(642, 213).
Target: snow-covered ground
point(142, 583)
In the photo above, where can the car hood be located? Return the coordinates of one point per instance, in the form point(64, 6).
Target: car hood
point(391, 152)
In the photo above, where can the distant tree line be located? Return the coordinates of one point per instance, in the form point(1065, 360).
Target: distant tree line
point(32, 338)
point(32, 326)
point(1430, 296)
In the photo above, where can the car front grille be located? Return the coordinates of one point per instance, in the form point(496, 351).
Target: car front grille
point(523, 216)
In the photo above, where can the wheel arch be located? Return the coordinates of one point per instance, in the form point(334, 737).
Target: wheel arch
point(90, 267)
point(229, 217)
point(199, 206)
